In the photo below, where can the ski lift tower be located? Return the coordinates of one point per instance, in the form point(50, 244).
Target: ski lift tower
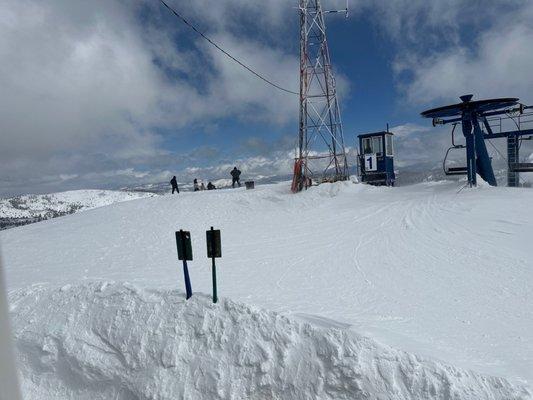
point(321, 155)
point(483, 120)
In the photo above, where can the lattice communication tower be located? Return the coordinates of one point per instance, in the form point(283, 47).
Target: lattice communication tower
point(321, 155)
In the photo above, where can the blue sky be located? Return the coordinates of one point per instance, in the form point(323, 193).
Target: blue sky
point(116, 93)
point(364, 64)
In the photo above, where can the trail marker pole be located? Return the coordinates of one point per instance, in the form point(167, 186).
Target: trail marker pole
point(214, 250)
point(214, 275)
point(183, 243)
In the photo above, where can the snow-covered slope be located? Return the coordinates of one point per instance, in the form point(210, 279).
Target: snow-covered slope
point(49, 205)
point(430, 269)
point(113, 341)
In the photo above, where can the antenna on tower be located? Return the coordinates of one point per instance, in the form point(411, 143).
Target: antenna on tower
point(344, 10)
point(321, 155)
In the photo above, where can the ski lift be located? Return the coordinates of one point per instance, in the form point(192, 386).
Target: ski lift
point(448, 170)
point(481, 120)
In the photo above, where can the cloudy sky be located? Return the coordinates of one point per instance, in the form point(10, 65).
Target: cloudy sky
point(109, 93)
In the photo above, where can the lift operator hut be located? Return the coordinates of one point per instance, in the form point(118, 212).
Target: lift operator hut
point(376, 159)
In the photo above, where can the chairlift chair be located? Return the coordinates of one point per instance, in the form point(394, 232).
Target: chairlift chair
point(521, 166)
point(453, 170)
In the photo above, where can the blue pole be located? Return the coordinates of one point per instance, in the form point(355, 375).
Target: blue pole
point(484, 165)
point(188, 288)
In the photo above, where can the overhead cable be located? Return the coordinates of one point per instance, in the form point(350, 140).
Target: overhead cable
point(178, 15)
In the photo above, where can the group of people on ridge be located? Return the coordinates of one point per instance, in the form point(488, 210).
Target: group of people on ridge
point(201, 186)
point(235, 179)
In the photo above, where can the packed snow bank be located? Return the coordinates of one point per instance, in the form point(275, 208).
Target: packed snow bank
point(56, 204)
point(115, 341)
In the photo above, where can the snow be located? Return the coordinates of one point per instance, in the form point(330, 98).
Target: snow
point(46, 205)
point(436, 270)
point(115, 341)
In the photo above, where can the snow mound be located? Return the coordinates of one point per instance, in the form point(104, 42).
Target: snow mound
point(56, 204)
point(115, 341)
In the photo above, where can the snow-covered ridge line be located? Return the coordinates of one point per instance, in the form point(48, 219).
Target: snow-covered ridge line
point(114, 341)
point(32, 208)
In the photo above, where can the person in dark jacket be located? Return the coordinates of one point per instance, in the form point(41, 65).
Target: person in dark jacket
point(196, 186)
point(210, 186)
point(174, 184)
point(235, 177)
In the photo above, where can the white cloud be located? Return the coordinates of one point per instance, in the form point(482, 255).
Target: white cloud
point(234, 91)
point(81, 91)
point(65, 86)
point(419, 145)
point(433, 24)
point(500, 66)
point(496, 62)
point(277, 164)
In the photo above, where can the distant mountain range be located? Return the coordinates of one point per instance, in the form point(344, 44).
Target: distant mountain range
point(22, 210)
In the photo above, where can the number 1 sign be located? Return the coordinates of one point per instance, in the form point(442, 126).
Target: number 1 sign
point(371, 162)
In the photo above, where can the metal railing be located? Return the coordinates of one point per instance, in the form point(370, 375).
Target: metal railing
point(510, 122)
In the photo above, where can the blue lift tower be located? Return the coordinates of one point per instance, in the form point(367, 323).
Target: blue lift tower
point(376, 158)
point(483, 120)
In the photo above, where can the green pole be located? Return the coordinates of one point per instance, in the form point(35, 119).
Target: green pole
point(214, 270)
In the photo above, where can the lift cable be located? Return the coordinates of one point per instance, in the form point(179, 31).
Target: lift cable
point(498, 151)
point(224, 51)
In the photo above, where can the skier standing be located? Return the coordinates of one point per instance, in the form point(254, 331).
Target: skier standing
point(235, 177)
point(174, 184)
